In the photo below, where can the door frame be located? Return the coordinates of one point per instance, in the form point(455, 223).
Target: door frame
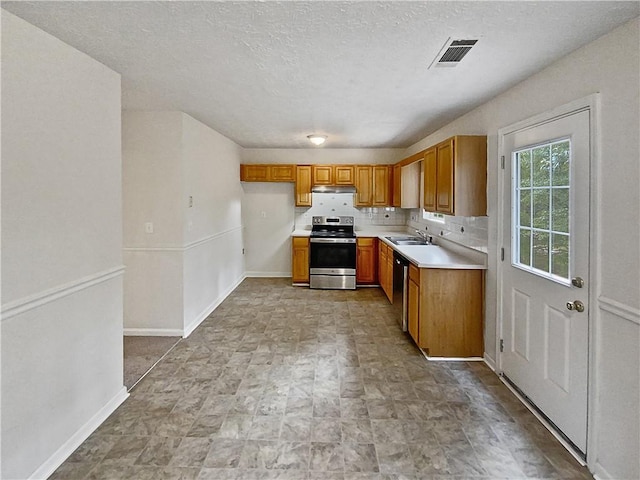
point(590, 103)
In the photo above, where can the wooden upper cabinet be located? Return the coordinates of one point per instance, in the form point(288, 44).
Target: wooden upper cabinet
point(364, 185)
point(254, 173)
point(283, 173)
point(444, 177)
point(373, 185)
point(333, 175)
point(429, 163)
point(381, 186)
point(303, 185)
point(322, 174)
point(344, 175)
point(397, 186)
point(455, 177)
point(267, 173)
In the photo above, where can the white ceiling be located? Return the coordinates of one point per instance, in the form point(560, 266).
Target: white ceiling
point(266, 74)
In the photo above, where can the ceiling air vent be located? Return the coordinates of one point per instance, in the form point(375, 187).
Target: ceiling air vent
point(452, 52)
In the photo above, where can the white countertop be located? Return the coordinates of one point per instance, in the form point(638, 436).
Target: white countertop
point(450, 256)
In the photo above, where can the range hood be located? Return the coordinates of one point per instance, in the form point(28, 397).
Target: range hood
point(333, 189)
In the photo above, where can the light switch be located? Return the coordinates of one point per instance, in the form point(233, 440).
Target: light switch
point(148, 227)
point(263, 214)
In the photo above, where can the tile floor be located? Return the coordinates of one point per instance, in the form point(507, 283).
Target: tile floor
point(290, 383)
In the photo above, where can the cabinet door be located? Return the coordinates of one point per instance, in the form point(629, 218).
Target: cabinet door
point(414, 311)
point(397, 186)
point(344, 175)
point(254, 173)
point(430, 180)
point(282, 173)
point(389, 275)
point(322, 175)
point(382, 260)
point(444, 177)
point(381, 186)
point(366, 261)
point(364, 184)
point(300, 260)
point(303, 185)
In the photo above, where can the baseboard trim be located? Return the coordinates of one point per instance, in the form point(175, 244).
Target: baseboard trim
point(599, 473)
point(570, 449)
point(208, 310)
point(491, 363)
point(153, 332)
point(268, 274)
point(58, 458)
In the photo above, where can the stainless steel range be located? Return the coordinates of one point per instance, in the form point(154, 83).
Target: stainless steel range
point(332, 257)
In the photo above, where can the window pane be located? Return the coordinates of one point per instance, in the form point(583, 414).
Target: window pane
point(560, 256)
point(525, 247)
point(541, 209)
point(560, 220)
point(541, 251)
point(560, 154)
point(525, 208)
point(540, 166)
point(524, 162)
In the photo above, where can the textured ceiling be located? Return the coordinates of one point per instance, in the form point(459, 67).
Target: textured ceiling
point(266, 74)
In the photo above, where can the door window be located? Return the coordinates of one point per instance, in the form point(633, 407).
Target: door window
point(541, 240)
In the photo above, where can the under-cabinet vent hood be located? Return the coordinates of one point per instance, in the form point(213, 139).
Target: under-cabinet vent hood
point(333, 189)
point(452, 53)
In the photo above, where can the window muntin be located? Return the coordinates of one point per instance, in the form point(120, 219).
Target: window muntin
point(541, 242)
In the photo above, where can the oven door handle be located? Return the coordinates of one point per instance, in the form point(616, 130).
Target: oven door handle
point(332, 240)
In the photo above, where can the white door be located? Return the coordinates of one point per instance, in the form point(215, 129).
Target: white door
point(545, 268)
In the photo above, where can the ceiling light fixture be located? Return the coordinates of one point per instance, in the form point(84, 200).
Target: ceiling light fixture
point(317, 140)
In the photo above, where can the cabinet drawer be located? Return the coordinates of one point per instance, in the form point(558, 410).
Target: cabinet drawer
point(366, 241)
point(414, 273)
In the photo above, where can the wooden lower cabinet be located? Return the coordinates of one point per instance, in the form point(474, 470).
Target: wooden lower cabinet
point(300, 260)
point(446, 311)
point(385, 269)
point(413, 307)
point(366, 261)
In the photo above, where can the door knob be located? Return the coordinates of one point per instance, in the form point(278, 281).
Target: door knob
point(576, 305)
point(577, 282)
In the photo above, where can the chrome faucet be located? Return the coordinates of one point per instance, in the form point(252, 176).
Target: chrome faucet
point(423, 235)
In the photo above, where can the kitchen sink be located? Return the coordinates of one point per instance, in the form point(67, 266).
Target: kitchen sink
point(407, 240)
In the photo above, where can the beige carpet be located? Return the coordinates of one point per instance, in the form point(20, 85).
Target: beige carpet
point(142, 353)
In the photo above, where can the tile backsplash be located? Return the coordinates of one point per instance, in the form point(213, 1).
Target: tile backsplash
point(468, 231)
point(342, 204)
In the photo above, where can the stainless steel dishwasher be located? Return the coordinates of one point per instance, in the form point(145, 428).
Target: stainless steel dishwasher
point(401, 288)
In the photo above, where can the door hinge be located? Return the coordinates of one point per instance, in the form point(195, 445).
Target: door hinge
point(502, 254)
point(502, 162)
point(243, 251)
point(501, 345)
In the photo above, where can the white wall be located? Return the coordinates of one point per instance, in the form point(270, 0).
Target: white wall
point(193, 259)
point(268, 238)
point(61, 249)
point(152, 189)
point(213, 261)
point(610, 65)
